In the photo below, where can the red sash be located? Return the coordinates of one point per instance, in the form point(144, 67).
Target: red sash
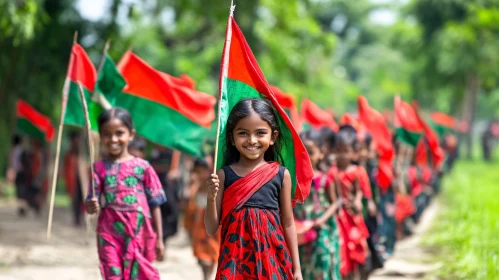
point(241, 190)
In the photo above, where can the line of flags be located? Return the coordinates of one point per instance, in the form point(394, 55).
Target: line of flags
point(166, 110)
point(169, 111)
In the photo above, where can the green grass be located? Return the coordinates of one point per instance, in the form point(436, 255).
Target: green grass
point(465, 234)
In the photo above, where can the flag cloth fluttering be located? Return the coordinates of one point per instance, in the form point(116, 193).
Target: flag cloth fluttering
point(81, 70)
point(33, 123)
point(165, 110)
point(288, 103)
point(382, 137)
point(432, 140)
point(316, 117)
point(443, 123)
point(408, 128)
point(241, 78)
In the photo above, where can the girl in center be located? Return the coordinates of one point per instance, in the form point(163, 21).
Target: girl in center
point(251, 198)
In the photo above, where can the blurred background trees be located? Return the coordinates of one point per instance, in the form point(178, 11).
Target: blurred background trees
point(441, 53)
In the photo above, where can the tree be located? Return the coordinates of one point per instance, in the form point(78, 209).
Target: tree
point(458, 52)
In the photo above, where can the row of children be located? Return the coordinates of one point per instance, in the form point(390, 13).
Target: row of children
point(348, 224)
point(346, 228)
point(242, 220)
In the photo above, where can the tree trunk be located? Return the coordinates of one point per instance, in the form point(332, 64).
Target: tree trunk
point(8, 95)
point(470, 100)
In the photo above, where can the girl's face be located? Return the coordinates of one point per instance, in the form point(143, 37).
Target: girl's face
point(344, 155)
point(364, 152)
point(313, 151)
point(203, 173)
point(252, 136)
point(115, 137)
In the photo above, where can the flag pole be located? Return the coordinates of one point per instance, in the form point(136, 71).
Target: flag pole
point(58, 149)
point(225, 71)
point(89, 131)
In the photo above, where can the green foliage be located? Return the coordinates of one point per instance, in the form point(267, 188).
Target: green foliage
point(19, 19)
point(465, 233)
point(329, 51)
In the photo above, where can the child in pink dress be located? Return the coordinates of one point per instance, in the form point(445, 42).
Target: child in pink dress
point(127, 197)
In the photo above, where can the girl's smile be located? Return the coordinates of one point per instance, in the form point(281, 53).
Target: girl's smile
point(115, 136)
point(252, 136)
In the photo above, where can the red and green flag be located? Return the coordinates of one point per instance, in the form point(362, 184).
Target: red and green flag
point(432, 140)
point(241, 78)
point(382, 138)
point(164, 111)
point(408, 128)
point(287, 102)
point(360, 127)
point(315, 117)
point(33, 123)
point(443, 123)
point(81, 70)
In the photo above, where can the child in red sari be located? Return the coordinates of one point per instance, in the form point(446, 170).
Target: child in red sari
point(353, 231)
point(251, 198)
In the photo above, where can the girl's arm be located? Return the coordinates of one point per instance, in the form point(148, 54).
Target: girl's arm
point(158, 228)
point(358, 195)
point(333, 207)
point(92, 202)
point(214, 205)
point(157, 224)
point(288, 223)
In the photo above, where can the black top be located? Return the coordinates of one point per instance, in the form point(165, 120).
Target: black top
point(267, 197)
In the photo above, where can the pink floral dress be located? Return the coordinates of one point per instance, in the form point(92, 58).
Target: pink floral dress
point(126, 238)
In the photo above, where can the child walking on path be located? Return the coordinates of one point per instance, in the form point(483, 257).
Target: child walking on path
point(205, 248)
point(129, 227)
point(320, 258)
point(251, 198)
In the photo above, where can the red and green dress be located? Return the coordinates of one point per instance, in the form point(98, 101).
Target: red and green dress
point(319, 259)
point(126, 238)
point(253, 244)
point(353, 230)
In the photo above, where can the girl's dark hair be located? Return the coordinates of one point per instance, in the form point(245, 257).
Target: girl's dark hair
point(368, 139)
point(199, 162)
point(138, 143)
point(312, 135)
point(74, 134)
point(119, 113)
point(347, 135)
point(16, 140)
point(328, 136)
point(243, 109)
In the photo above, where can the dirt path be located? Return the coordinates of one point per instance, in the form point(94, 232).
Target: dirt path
point(25, 254)
point(410, 260)
point(71, 253)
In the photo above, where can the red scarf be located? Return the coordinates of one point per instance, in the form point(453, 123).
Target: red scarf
point(241, 190)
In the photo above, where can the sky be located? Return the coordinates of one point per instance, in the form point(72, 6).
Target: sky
point(96, 9)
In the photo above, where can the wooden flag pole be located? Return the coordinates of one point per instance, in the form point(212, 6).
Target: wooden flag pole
point(58, 150)
point(89, 131)
point(225, 71)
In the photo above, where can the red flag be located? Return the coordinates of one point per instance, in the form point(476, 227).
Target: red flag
point(408, 128)
point(376, 124)
point(432, 138)
point(242, 78)
point(443, 120)
point(288, 103)
point(316, 117)
point(33, 122)
point(146, 82)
